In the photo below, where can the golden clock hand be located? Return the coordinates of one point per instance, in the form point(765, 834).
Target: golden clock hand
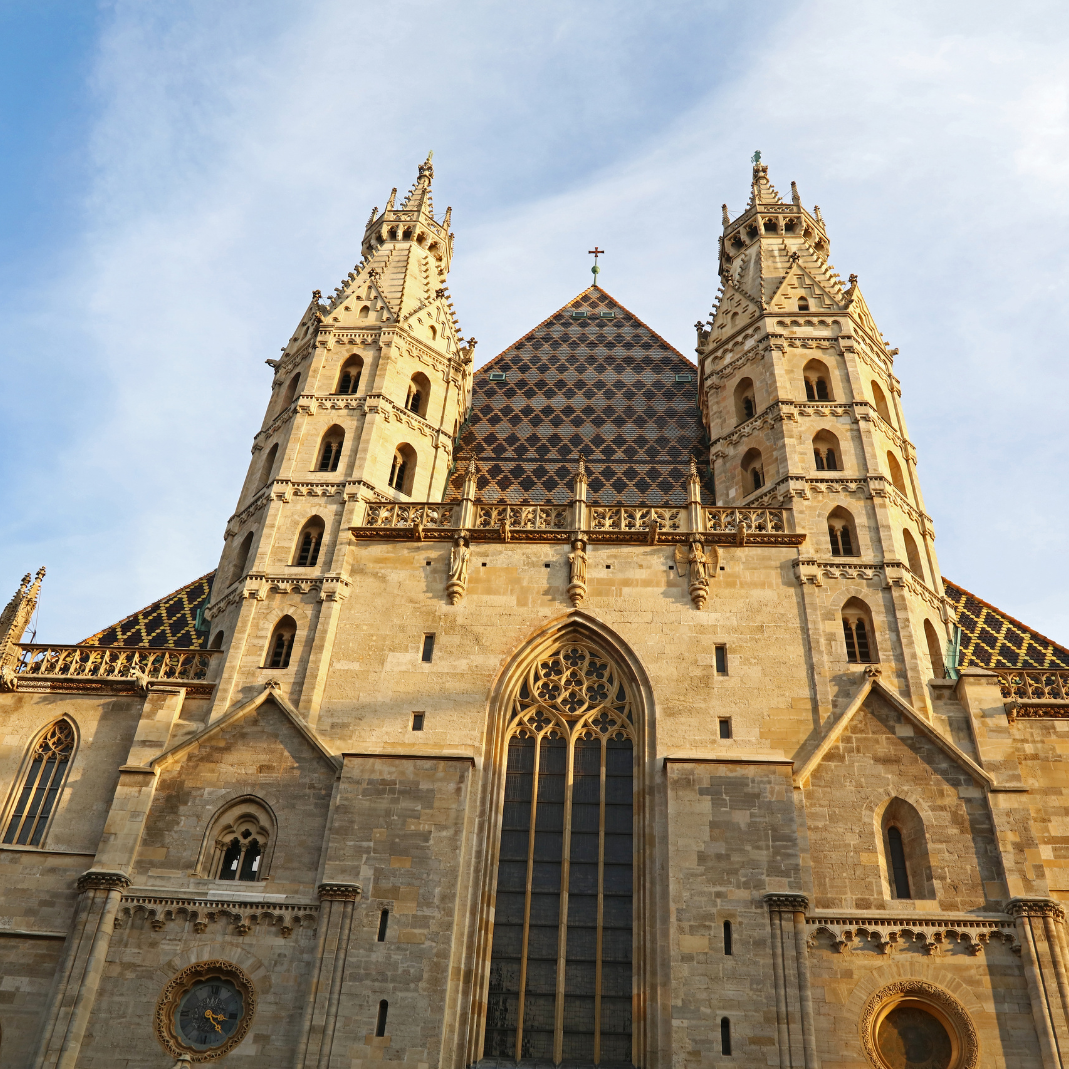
point(214, 1018)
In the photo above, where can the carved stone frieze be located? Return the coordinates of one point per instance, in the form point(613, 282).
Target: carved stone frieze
point(931, 936)
point(1035, 907)
point(339, 892)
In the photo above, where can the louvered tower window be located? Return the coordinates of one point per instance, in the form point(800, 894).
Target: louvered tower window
point(44, 780)
point(560, 967)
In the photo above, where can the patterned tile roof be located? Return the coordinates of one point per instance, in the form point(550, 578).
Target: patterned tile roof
point(170, 622)
point(604, 385)
point(992, 639)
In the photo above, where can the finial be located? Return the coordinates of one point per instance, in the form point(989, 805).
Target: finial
point(693, 467)
point(426, 168)
point(448, 216)
point(471, 467)
point(595, 270)
point(582, 471)
point(727, 218)
point(755, 159)
point(794, 194)
point(853, 280)
point(393, 197)
point(371, 217)
point(316, 294)
point(816, 214)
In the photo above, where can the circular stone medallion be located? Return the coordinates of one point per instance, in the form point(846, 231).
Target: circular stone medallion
point(205, 1010)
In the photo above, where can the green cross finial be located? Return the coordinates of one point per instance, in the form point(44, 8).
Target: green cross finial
point(595, 270)
point(756, 158)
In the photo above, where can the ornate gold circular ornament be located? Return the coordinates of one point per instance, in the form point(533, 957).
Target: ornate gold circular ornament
point(205, 1010)
point(912, 1024)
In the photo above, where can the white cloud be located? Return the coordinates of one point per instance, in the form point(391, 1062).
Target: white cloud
point(239, 149)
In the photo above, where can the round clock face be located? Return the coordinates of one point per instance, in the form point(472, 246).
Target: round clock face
point(209, 1013)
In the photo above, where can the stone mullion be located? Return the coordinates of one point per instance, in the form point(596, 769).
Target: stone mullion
point(522, 985)
point(562, 920)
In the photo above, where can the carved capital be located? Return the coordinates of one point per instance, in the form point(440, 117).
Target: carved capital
point(103, 881)
point(338, 892)
point(1035, 907)
point(778, 903)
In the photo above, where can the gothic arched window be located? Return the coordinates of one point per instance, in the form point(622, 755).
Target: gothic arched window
point(238, 842)
point(49, 763)
point(560, 966)
point(858, 632)
point(349, 379)
point(403, 469)
point(309, 542)
point(330, 449)
point(281, 645)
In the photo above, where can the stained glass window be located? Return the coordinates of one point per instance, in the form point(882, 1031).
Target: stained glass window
point(48, 769)
point(560, 966)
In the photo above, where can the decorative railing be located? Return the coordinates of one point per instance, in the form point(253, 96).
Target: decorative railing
point(524, 517)
point(426, 514)
point(1033, 684)
point(638, 518)
point(754, 521)
point(114, 662)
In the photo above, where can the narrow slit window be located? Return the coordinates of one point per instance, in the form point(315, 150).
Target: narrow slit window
point(40, 789)
point(899, 873)
point(727, 939)
point(384, 920)
point(721, 660)
point(380, 1021)
point(725, 1035)
point(428, 648)
point(725, 727)
point(417, 721)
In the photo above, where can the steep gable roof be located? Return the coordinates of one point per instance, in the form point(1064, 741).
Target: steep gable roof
point(991, 638)
point(170, 622)
point(606, 386)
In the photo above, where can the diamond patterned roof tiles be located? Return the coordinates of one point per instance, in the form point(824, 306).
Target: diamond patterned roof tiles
point(992, 639)
point(169, 622)
point(604, 386)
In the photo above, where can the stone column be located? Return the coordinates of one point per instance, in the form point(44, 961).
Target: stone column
point(787, 918)
point(336, 909)
point(78, 979)
point(1037, 921)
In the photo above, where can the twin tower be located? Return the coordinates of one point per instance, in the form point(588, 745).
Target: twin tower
point(795, 389)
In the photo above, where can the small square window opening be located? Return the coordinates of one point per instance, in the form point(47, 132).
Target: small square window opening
point(417, 721)
point(546, 564)
point(428, 648)
point(725, 727)
point(721, 660)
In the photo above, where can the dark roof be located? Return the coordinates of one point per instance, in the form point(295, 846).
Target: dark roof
point(604, 386)
point(169, 622)
point(991, 638)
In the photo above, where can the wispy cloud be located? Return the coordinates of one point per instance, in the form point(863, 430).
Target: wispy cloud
point(237, 151)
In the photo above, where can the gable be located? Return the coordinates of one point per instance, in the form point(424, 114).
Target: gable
point(170, 622)
point(603, 387)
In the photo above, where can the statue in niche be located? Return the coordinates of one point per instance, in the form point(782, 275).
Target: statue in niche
point(698, 569)
point(458, 568)
point(577, 564)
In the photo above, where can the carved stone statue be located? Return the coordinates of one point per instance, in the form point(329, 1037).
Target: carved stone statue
point(698, 568)
point(458, 568)
point(577, 572)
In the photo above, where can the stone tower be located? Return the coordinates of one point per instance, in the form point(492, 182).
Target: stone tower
point(802, 405)
point(366, 400)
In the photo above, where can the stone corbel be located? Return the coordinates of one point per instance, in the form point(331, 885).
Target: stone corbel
point(807, 570)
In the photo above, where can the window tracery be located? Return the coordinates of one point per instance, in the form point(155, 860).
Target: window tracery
point(49, 764)
point(238, 842)
point(560, 968)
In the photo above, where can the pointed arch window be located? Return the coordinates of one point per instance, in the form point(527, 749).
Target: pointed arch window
point(349, 380)
point(36, 800)
point(560, 964)
point(237, 846)
point(309, 543)
point(858, 632)
point(281, 645)
point(330, 449)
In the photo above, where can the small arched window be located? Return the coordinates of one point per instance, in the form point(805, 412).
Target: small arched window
point(403, 469)
point(50, 761)
point(291, 390)
point(241, 558)
point(281, 645)
point(894, 469)
point(803, 304)
point(827, 456)
point(419, 394)
point(880, 401)
point(858, 632)
point(842, 533)
point(433, 331)
point(330, 449)
point(349, 379)
point(745, 405)
point(217, 642)
point(905, 850)
point(309, 542)
point(753, 471)
point(817, 381)
point(269, 465)
point(239, 842)
point(364, 312)
point(913, 554)
point(935, 652)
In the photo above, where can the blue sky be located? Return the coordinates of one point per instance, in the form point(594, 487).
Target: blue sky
point(177, 177)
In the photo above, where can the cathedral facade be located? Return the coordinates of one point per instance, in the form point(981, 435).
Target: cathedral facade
point(597, 707)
